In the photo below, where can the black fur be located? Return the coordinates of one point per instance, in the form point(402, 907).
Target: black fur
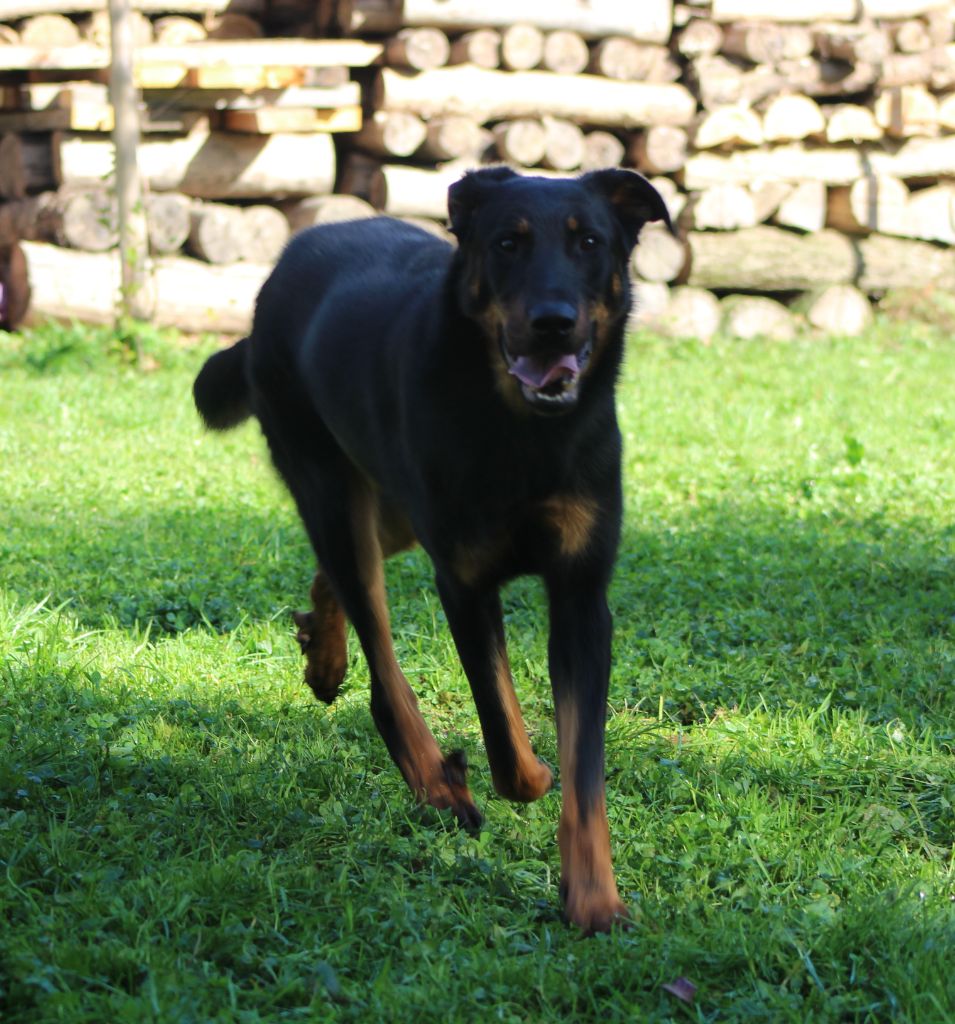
point(463, 398)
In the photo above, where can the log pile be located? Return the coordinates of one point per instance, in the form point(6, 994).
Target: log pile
point(806, 151)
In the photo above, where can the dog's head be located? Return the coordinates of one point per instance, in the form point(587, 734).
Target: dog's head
point(544, 270)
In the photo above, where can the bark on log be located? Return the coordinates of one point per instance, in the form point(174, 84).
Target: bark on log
point(494, 95)
point(602, 149)
point(520, 142)
point(454, 138)
point(873, 203)
point(907, 68)
point(176, 30)
point(764, 43)
point(419, 48)
point(168, 221)
point(522, 47)
point(217, 233)
point(661, 149)
point(658, 255)
point(804, 208)
point(190, 295)
point(215, 165)
point(82, 220)
point(626, 60)
point(391, 133)
point(721, 208)
point(855, 44)
point(770, 259)
point(700, 38)
point(315, 210)
point(755, 316)
point(563, 144)
point(917, 159)
point(265, 233)
point(565, 53)
point(232, 25)
point(482, 47)
point(840, 310)
point(887, 263)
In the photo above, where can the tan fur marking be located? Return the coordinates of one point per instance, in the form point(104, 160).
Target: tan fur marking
point(616, 286)
point(422, 764)
point(523, 226)
point(573, 518)
point(572, 224)
point(532, 779)
point(591, 900)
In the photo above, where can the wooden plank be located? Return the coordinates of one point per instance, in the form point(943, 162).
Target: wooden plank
point(209, 53)
point(649, 20)
point(173, 76)
point(268, 120)
point(293, 96)
point(81, 118)
point(14, 9)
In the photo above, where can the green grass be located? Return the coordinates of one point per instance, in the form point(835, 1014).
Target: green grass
point(185, 835)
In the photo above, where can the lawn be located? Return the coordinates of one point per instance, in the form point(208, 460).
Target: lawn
point(185, 835)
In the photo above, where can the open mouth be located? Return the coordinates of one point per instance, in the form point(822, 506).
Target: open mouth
point(549, 381)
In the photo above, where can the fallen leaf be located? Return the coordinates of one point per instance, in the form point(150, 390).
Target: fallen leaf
point(682, 988)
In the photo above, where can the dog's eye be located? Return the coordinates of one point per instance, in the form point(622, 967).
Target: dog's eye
point(508, 243)
point(589, 242)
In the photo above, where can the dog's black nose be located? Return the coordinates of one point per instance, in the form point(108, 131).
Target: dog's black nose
point(553, 319)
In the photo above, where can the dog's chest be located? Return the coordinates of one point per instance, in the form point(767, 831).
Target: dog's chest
point(522, 539)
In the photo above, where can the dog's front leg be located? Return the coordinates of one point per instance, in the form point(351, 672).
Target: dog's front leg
point(579, 653)
point(474, 615)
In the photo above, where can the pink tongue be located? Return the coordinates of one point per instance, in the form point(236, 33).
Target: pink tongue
point(538, 372)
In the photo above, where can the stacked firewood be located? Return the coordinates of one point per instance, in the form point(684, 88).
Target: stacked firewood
point(807, 152)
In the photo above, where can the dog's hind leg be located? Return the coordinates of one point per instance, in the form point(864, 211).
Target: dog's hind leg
point(474, 616)
point(341, 515)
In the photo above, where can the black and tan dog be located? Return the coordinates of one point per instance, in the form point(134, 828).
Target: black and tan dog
point(465, 400)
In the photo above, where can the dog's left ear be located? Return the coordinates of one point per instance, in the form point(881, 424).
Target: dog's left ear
point(632, 198)
point(466, 194)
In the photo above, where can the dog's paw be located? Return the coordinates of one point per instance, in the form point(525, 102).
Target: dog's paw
point(530, 783)
point(326, 656)
point(594, 910)
point(448, 790)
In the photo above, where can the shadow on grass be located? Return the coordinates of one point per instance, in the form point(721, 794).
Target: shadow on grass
point(722, 606)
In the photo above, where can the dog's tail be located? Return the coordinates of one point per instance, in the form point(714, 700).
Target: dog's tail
point(221, 390)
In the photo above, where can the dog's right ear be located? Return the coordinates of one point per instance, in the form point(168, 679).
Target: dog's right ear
point(465, 195)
